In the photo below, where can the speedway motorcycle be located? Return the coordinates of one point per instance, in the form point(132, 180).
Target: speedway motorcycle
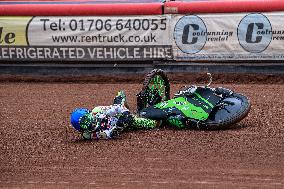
point(202, 107)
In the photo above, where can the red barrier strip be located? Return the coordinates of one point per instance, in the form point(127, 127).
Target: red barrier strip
point(224, 6)
point(76, 1)
point(80, 9)
point(129, 1)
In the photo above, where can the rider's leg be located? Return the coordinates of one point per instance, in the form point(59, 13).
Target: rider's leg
point(144, 123)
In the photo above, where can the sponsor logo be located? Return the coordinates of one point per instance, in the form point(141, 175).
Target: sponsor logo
point(6, 38)
point(254, 33)
point(13, 30)
point(190, 34)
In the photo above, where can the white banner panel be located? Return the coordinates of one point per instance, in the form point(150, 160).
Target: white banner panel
point(253, 36)
point(100, 31)
point(96, 38)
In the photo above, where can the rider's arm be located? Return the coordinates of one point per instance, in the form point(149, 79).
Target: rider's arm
point(106, 125)
point(102, 127)
point(126, 119)
point(116, 110)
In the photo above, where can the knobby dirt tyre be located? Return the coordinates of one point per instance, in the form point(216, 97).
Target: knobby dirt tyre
point(155, 81)
point(231, 118)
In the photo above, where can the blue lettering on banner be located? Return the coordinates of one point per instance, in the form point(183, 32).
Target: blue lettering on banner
point(190, 34)
point(254, 33)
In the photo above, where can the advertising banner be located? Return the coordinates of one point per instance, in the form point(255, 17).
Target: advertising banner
point(215, 37)
point(85, 38)
point(252, 36)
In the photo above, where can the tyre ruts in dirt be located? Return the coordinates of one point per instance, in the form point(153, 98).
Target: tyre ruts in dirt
point(35, 153)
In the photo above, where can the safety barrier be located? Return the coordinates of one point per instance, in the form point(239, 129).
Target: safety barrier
point(134, 7)
point(77, 8)
point(223, 6)
point(82, 30)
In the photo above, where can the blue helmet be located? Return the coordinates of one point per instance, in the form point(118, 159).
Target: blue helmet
point(81, 118)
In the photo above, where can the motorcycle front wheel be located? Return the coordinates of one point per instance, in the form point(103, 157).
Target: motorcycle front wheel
point(156, 88)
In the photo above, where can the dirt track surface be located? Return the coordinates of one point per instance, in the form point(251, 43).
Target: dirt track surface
point(35, 153)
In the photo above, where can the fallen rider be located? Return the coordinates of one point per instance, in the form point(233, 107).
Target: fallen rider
point(107, 122)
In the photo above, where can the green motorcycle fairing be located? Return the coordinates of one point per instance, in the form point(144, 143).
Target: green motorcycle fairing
point(178, 111)
point(185, 107)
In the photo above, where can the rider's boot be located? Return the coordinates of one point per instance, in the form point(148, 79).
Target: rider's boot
point(144, 123)
point(121, 99)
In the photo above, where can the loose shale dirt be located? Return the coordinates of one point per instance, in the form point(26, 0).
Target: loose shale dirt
point(35, 152)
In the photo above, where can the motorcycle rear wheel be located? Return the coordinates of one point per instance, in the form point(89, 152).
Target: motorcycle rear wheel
point(232, 110)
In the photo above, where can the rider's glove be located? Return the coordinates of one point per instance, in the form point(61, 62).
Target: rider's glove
point(87, 135)
point(125, 120)
point(102, 135)
point(115, 132)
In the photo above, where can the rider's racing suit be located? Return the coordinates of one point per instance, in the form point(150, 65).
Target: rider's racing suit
point(110, 121)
